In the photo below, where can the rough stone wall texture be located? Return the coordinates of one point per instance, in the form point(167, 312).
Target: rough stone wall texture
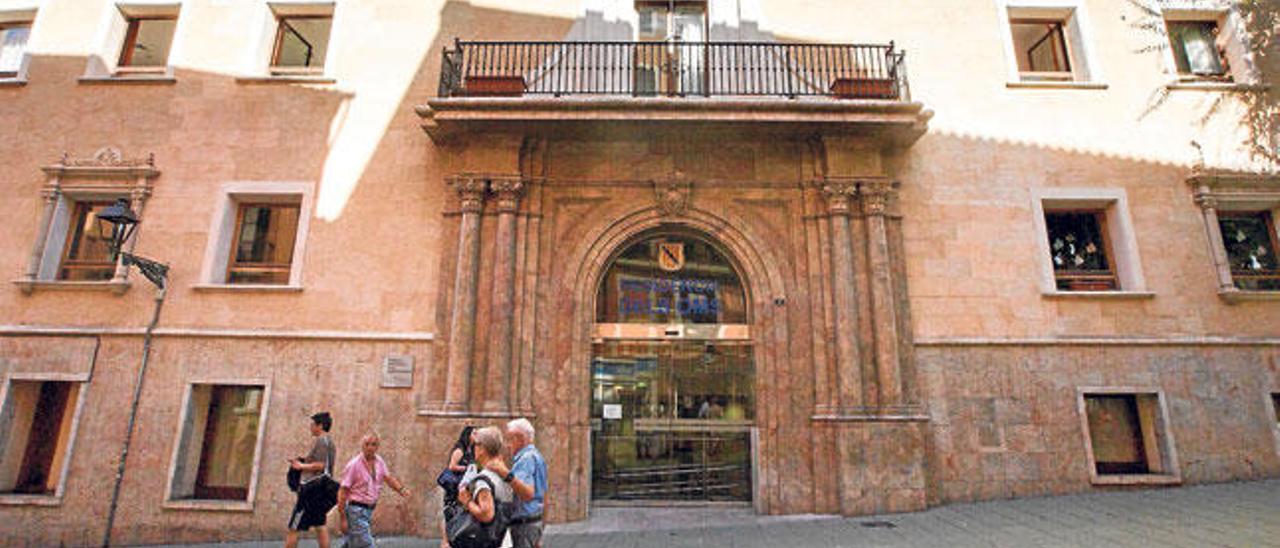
point(1005, 421)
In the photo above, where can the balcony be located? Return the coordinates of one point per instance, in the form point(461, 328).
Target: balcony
point(540, 86)
point(674, 69)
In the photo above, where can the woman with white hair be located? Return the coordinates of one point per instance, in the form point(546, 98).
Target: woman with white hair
point(477, 496)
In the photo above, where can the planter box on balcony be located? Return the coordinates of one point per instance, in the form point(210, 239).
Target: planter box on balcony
point(494, 86)
point(864, 88)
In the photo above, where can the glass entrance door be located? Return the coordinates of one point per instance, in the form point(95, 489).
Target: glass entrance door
point(671, 420)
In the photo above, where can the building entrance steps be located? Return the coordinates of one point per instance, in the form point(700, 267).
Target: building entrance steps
point(1229, 514)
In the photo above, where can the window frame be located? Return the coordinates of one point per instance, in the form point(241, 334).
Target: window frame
point(1086, 71)
point(1124, 257)
point(233, 264)
point(1273, 237)
point(281, 22)
point(1104, 231)
point(184, 432)
point(132, 24)
point(1218, 51)
point(17, 21)
point(220, 246)
point(1273, 407)
point(55, 499)
point(78, 209)
point(1238, 61)
point(1152, 402)
point(1058, 27)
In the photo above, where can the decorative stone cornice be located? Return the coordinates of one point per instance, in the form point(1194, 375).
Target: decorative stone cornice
point(1212, 189)
point(470, 189)
point(106, 162)
point(507, 190)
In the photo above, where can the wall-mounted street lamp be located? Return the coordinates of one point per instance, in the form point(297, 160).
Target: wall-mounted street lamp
point(120, 222)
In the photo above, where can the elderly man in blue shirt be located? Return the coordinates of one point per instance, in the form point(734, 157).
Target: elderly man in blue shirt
point(528, 478)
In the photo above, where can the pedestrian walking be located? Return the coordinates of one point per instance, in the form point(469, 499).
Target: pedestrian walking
point(310, 509)
point(483, 493)
point(362, 481)
point(460, 456)
point(528, 479)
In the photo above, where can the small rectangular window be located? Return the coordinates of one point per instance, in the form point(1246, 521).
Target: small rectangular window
point(262, 248)
point(1116, 432)
point(1080, 250)
point(302, 42)
point(1041, 48)
point(147, 41)
point(1195, 48)
point(1251, 243)
point(1275, 406)
point(219, 442)
point(13, 44)
point(86, 255)
point(38, 416)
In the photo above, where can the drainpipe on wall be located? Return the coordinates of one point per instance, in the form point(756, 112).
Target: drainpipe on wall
point(133, 411)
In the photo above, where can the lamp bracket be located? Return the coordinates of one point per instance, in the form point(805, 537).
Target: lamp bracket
point(158, 273)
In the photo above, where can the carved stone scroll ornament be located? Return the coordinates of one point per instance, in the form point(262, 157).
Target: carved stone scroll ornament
point(838, 194)
point(507, 191)
point(876, 196)
point(672, 197)
point(470, 191)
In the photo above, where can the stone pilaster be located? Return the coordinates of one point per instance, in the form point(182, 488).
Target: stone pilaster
point(1217, 249)
point(839, 195)
point(876, 195)
point(471, 193)
point(50, 194)
point(506, 193)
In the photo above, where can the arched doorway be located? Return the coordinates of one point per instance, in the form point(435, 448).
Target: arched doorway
point(673, 375)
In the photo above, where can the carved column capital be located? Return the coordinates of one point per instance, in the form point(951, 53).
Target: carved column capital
point(876, 196)
point(470, 189)
point(508, 191)
point(839, 194)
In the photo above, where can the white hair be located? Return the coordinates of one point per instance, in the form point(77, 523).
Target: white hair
point(524, 427)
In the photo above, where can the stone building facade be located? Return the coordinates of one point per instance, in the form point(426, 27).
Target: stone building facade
point(1033, 255)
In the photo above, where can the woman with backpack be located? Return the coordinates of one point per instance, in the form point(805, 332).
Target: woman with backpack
point(460, 456)
point(486, 498)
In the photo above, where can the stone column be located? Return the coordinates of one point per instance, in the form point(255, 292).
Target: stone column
point(507, 192)
point(51, 193)
point(1217, 249)
point(848, 358)
point(884, 315)
point(137, 199)
point(462, 324)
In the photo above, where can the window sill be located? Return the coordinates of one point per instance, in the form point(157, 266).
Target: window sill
point(29, 286)
point(1105, 295)
point(11, 499)
point(286, 79)
point(1136, 479)
point(1242, 295)
point(12, 82)
point(1214, 85)
point(136, 79)
point(1056, 85)
point(208, 505)
point(247, 288)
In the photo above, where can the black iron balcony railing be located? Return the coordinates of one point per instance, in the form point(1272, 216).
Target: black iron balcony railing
point(845, 71)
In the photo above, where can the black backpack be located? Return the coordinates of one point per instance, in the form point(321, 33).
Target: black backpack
point(465, 531)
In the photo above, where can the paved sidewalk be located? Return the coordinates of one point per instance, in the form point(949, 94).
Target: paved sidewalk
point(1233, 514)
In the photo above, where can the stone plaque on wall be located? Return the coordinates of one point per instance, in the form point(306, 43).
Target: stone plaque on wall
point(397, 371)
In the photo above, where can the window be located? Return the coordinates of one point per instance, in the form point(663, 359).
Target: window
point(1251, 243)
point(668, 69)
point(37, 418)
point(146, 43)
point(1041, 47)
point(219, 442)
point(1127, 436)
point(1195, 49)
point(1275, 406)
point(1080, 250)
point(301, 43)
point(13, 46)
point(86, 255)
point(1046, 44)
point(1087, 245)
point(264, 240)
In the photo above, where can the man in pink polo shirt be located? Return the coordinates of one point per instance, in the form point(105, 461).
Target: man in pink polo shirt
point(361, 483)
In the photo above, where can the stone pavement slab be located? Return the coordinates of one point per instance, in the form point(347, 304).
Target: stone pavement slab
point(1243, 514)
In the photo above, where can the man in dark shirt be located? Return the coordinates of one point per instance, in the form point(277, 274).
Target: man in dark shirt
point(319, 462)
